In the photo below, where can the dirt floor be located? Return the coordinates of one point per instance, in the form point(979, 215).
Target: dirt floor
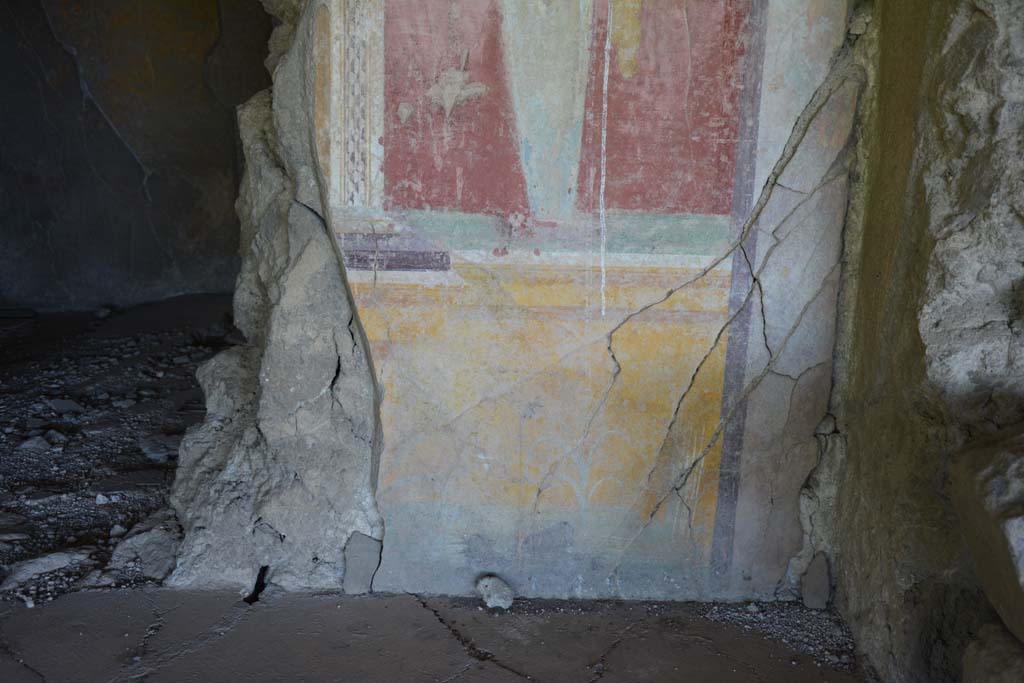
point(92, 409)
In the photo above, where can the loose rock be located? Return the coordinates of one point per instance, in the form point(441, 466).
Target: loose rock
point(160, 448)
point(820, 634)
point(23, 572)
point(36, 443)
point(65, 406)
point(55, 438)
point(149, 549)
point(83, 478)
point(494, 592)
point(362, 558)
point(816, 583)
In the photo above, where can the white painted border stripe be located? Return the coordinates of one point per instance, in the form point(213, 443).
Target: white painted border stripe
point(604, 157)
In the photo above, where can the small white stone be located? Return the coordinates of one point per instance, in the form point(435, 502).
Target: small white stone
point(494, 591)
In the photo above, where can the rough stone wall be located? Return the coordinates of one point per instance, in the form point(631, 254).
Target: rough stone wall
point(973, 174)
point(282, 472)
point(929, 345)
point(119, 173)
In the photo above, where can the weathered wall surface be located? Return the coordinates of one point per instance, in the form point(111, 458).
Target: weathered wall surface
point(929, 352)
point(118, 174)
point(603, 350)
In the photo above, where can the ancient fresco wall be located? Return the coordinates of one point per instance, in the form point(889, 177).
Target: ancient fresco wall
point(547, 219)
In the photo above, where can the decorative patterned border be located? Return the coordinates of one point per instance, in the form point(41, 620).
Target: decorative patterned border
point(357, 104)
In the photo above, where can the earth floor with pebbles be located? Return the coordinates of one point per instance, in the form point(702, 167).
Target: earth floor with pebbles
point(92, 409)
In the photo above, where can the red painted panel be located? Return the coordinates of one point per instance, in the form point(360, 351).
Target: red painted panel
point(465, 160)
point(673, 125)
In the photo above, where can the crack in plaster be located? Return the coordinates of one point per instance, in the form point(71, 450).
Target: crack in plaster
point(809, 503)
point(689, 510)
point(503, 392)
point(380, 561)
point(688, 85)
point(553, 468)
point(139, 670)
point(7, 649)
point(467, 643)
point(152, 630)
point(146, 171)
point(760, 292)
point(709, 645)
point(842, 71)
point(458, 674)
point(681, 481)
point(600, 667)
point(700, 365)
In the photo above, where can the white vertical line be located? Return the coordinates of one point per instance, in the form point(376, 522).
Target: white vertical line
point(602, 216)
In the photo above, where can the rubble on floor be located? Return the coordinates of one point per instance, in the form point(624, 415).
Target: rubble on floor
point(817, 633)
point(92, 408)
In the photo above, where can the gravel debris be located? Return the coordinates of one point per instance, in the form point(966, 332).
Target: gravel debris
point(820, 634)
point(92, 409)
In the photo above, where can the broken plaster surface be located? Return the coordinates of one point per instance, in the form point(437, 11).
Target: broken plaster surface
point(272, 486)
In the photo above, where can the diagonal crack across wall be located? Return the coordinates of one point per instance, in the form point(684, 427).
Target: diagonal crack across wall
point(844, 71)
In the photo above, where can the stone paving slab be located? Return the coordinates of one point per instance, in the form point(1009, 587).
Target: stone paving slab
point(162, 635)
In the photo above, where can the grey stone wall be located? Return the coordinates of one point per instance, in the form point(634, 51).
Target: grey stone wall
point(929, 343)
point(118, 170)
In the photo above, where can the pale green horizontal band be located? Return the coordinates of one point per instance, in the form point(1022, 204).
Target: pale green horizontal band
point(629, 232)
